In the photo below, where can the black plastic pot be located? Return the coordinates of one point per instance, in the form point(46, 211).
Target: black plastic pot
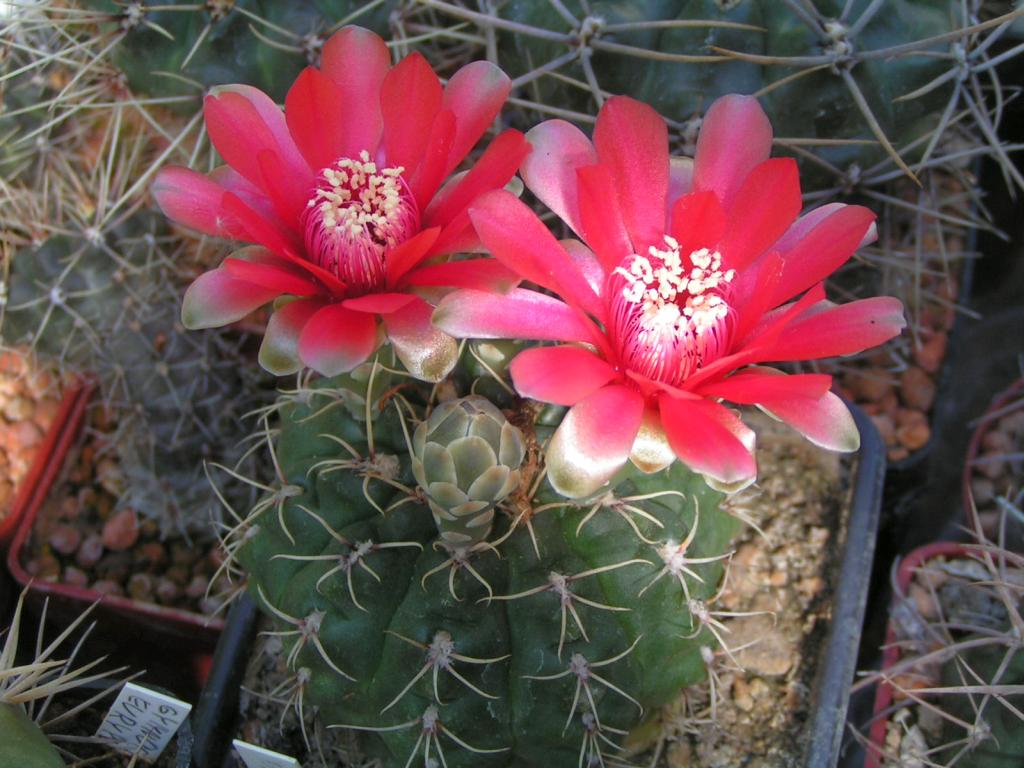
point(837, 661)
point(215, 717)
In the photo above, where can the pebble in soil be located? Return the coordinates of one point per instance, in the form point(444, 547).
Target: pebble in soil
point(997, 473)
point(29, 401)
point(84, 537)
point(897, 384)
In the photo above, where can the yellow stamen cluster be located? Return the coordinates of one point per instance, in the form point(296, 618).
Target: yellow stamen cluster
point(355, 198)
point(674, 300)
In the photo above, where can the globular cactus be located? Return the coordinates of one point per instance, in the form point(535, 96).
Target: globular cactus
point(167, 51)
point(24, 743)
point(535, 638)
point(179, 397)
point(27, 688)
point(853, 88)
point(997, 740)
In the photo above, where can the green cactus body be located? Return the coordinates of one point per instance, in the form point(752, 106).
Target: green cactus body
point(179, 396)
point(219, 41)
point(680, 55)
point(23, 744)
point(552, 629)
point(997, 732)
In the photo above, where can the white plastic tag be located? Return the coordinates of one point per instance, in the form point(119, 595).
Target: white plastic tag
point(258, 757)
point(142, 721)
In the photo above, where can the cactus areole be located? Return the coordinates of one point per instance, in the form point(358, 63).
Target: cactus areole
point(466, 571)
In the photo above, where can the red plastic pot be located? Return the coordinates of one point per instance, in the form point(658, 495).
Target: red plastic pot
point(183, 629)
point(891, 655)
point(993, 413)
point(37, 472)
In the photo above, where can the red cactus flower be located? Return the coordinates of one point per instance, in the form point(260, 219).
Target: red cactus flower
point(345, 196)
point(687, 283)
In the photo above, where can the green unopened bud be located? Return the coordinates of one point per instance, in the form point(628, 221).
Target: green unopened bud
point(466, 457)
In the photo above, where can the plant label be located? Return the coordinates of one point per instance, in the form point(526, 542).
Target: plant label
point(142, 721)
point(258, 757)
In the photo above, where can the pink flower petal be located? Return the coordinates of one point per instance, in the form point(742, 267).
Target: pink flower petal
point(549, 171)
point(193, 200)
point(410, 100)
point(249, 193)
point(434, 166)
point(379, 303)
point(427, 352)
point(288, 193)
point(398, 261)
point(216, 298)
point(600, 216)
point(474, 95)
point(316, 115)
point(805, 223)
point(517, 238)
point(237, 122)
point(588, 265)
point(827, 330)
point(802, 400)
point(492, 171)
point(518, 314)
point(279, 352)
point(457, 236)
point(594, 440)
point(276, 277)
point(710, 439)
point(257, 229)
point(680, 180)
point(825, 421)
point(753, 293)
point(337, 339)
point(698, 221)
point(560, 375)
point(480, 274)
point(632, 140)
point(357, 61)
point(755, 385)
point(822, 250)
point(273, 118)
point(734, 137)
point(765, 205)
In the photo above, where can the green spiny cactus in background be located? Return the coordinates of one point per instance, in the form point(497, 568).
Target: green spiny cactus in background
point(853, 87)
point(179, 397)
point(259, 42)
point(27, 689)
point(543, 634)
point(998, 738)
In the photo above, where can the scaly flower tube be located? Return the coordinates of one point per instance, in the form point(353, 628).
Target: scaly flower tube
point(345, 196)
point(692, 276)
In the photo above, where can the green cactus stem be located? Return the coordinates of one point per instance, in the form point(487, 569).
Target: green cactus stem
point(553, 630)
point(23, 744)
